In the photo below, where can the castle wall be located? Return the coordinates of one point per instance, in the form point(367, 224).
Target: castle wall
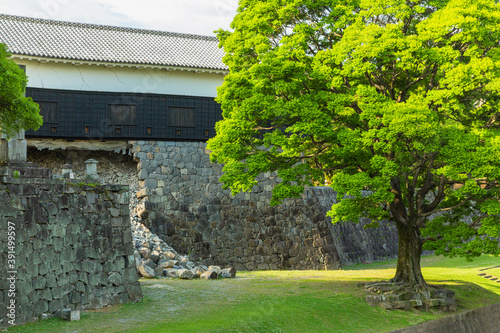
point(184, 203)
point(175, 191)
point(63, 246)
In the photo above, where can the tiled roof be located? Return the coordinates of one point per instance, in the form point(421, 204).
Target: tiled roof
point(89, 42)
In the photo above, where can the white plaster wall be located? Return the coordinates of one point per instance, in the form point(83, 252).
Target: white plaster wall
point(67, 76)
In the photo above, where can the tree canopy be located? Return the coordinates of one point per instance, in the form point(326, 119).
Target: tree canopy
point(17, 112)
point(394, 103)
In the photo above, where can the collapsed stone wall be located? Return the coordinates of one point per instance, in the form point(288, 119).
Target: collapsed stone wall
point(175, 191)
point(72, 248)
point(184, 204)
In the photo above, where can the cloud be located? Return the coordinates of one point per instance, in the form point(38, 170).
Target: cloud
point(193, 16)
point(190, 16)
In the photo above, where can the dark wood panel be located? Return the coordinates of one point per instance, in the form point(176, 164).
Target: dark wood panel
point(88, 115)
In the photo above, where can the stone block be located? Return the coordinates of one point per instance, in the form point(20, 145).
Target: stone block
point(58, 230)
point(399, 304)
point(51, 208)
point(56, 293)
point(144, 252)
point(9, 211)
point(129, 261)
point(264, 266)
point(228, 273)
point(146, 271)
point(386, 305)
point(51, 280)
point(217, 269)
point(122, 198)
point(33, 296)
point(433, 303)
point(164, 264)
point(79, 286)
point(170, 272)
point(415, 303)
point(185, 274)
point(43, 268)
point(40, 307)
point(130, 275)
point(209, 275)
point(39, 282)
point(115, 212)
point(55, 305)
point(158, 271)
point(150, 263)
point(29, 189)
point(151, 183)
point(94, 279)
point(134, 291)
point(32, 270)
point(115, 279)
point(46, 294)
point(143, 173)
point(70, 315)
point(66, 289)
point(75, 297)
point(155, 256)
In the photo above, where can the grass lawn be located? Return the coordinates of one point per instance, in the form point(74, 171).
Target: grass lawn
point(281, 301)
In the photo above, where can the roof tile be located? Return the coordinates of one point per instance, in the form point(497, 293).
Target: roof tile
point(89, 42)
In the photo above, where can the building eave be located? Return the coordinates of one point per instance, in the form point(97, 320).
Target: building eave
point(119, 65)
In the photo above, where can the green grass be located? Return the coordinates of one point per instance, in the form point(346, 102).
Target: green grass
point(280, 301)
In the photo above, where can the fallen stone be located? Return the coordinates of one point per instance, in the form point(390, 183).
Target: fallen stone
point(158, 271)
point(209, 275)
point(150, 263)
point(169, 255)
point(215, 268)
point(141, 194)
point(146, 271)
point(166, 263)
point(185, 274)
point(155, 256)
point(199, 270)
point(170, 272)
point(195, 274)
point(144, 252)
point(228, 273)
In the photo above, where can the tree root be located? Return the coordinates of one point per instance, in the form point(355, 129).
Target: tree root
point(401, 295)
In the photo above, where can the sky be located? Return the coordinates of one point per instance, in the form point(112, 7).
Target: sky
point(199, 17)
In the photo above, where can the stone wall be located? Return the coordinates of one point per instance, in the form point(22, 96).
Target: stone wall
point(175, 191)
point(184, 203)
point(72, 247)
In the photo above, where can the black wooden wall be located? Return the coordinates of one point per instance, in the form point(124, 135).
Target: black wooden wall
point(73, 114)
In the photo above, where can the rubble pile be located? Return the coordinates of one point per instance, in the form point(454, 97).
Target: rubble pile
point(155, 258)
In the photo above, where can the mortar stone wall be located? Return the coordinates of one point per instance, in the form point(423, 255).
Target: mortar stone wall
point(73, 247)
point(184, 203)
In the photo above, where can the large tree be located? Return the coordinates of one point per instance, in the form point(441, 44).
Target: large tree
point(17, 112)
point(393, 102)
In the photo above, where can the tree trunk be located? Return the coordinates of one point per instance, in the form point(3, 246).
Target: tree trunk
point(410, 250)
